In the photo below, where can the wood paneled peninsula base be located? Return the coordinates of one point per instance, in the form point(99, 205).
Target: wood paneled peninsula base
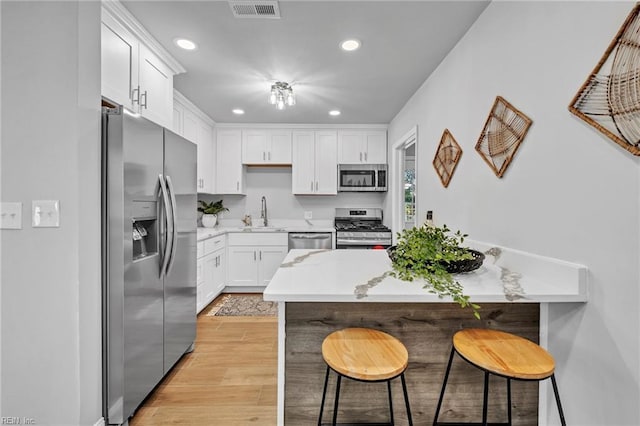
point(426, 330)
point(319, 292)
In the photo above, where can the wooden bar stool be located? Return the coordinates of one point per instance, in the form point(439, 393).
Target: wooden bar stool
point(365, 355)
point(501, 354)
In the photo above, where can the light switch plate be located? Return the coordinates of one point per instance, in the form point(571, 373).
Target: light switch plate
point(45, 213)
point(10, 215)
point(308, 215)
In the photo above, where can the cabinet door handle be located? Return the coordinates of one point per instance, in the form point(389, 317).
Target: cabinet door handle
point(237, 185)
point(263, 156)
point(311, 186)
point(145, 100)
point(260, 254)
point(135, 95)
point(316, 186)
point(361, 157)
point(254, 255)
point(365, 156)
point(269, 156)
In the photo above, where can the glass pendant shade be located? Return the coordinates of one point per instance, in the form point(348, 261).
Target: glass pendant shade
point(281, 95)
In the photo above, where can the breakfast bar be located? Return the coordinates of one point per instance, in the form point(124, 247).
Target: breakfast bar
point(320, 291)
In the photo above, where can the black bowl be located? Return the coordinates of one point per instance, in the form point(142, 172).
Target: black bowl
point(457, 266)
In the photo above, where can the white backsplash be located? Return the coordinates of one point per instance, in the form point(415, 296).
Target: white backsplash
point(275, 184)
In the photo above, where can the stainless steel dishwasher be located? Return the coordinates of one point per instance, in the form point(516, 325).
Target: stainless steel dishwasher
point(310, 240)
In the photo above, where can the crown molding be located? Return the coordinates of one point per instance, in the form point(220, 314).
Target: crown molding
point(130, 23)
point(302, 126)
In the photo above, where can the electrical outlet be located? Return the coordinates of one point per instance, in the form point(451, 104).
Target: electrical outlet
point(308, 215)
point(10, 215)
point(45, 213)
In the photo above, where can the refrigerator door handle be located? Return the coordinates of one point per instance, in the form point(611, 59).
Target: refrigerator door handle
point(174, 237)
point(168, 216)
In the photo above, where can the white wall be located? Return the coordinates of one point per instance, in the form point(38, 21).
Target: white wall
point(275, 184)
point(569, 193)
point(50, 150)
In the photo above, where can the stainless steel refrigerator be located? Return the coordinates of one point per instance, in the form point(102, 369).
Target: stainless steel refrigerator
point(149, 257)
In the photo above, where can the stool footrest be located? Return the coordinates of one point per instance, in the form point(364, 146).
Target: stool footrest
point(469, 424)
point(358, 424)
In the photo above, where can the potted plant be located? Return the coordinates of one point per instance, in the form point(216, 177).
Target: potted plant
point(429, 253)
point(210, 212)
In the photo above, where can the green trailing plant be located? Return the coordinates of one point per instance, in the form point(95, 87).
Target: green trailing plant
point(212, 207)
point(424, 252)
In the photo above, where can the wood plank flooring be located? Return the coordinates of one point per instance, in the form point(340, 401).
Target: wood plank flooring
point(229, 379)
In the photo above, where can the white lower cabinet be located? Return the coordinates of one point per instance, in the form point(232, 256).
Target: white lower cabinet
point(255, 257)
point(211, 270)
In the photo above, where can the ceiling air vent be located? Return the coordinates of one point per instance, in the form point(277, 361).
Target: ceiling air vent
point(255, 9)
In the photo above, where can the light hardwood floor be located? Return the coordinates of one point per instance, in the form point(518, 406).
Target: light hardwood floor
point(228, 380)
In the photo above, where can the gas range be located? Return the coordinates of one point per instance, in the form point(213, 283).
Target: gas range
point(361, 228)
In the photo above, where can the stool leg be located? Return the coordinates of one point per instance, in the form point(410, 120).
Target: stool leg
point(555, 391)
point(406, 399)
point(485, 400)
point(335, 404)
point(390, 403)
point(324, 394)
point(509, 400)
point(444, 385)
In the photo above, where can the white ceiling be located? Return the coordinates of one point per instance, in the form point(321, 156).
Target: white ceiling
point(237, 60)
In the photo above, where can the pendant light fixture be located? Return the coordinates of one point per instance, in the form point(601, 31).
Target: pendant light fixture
point(281, 95)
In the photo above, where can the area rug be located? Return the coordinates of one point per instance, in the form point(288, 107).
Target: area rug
point(243, 305)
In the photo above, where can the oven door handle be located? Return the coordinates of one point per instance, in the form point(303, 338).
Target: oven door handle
point(362, 242)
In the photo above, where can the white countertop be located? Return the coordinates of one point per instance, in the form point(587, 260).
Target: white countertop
point(363, 276)
point(227, 226)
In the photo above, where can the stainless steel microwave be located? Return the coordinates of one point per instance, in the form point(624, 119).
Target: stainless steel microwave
point(362, 177)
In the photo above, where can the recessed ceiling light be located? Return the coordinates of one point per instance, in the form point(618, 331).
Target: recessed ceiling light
point(350, 45)
point(334, 112)
point(185, 44)
point(238, 111)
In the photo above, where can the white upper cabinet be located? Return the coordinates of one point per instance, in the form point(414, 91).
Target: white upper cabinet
point(119, 57)
point(205, 158)
point(326, 163)
point(155, 88)
point(266, 146)
point(314, 165)
point(303, 172)
point(229, 169)
point(178, 119)
point(133, 74)
point(192, 124)
point(362, 147)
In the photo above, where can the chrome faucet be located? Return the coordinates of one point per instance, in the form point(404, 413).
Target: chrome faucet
point(263, 212)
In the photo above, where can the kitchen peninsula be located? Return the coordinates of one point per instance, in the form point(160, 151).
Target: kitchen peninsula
point(322, 291)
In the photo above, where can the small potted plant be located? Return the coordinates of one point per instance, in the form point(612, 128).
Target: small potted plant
point(429, 253)
point(210, 212)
